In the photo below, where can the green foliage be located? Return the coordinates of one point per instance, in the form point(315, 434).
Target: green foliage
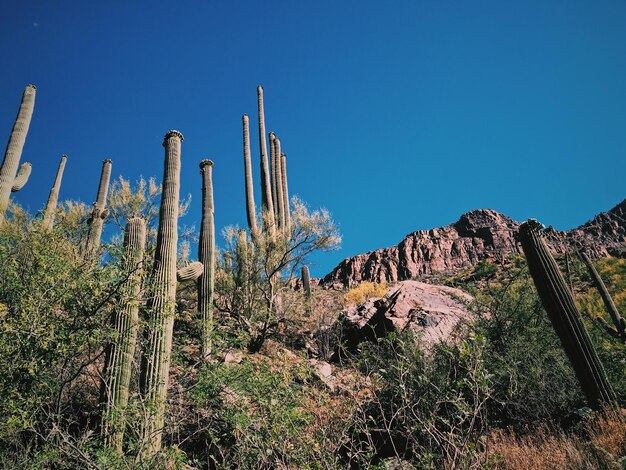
point(52, 327)
point(264, 411)
point(256, 274)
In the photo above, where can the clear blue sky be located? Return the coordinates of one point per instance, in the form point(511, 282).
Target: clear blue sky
point(395, 116)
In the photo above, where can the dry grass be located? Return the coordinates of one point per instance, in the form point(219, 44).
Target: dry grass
point(599, 445)
point(364, 291)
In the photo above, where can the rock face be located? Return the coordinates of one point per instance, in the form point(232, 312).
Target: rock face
point(478, 235)
point(431, 311)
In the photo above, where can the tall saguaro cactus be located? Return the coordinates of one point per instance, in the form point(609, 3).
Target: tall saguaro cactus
point(99, 211)
point(618, 321)
point(266, 189)
point(272, 137)
point(10, 179)
point(121, 352)
point(279, 184)
point(155, 361)
point(247, 166)
point(287, 212)
point(559, 303)
point(53, 198)
point(306, 281)
point(206, 255)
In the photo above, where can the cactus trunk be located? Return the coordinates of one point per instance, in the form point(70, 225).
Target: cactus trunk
point(247, 167)
point(121, 352)
point(53, 198)
point(13, 152)
point(206, 255)
point(283, 167)
point(155, 361)
point(559, 303)
point(99, 212)
point(279, 185)
point(306, 281)
point(618, 321)
point(273, 173)
point(266, 189)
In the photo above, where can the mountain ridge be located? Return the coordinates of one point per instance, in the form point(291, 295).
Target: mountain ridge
point(481, 234)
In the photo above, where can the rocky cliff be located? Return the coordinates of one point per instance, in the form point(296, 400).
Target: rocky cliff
point(478, 235)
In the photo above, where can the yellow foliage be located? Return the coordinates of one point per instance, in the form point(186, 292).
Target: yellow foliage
point(365, 290)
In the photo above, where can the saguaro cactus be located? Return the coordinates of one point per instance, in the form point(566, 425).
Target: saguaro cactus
point(155, 361)
point(247, 167)
point(559, 303)
point(99, 212)
point(206, 255)
point(10, 179)
point(272, 137)
point(51, 206)
point(266, 191)
point(306, 285)
point(283, 167)
point(279, 184)
point(306, 281)
point(121, 352)
point(618, 321)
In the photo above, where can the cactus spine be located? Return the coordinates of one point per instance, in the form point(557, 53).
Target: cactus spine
point(99, 212)
point(283, 167)
point(618, 321)
point(51, 206)
point(279, 185)
point(266, 191)
point(121, 353)
point(155, 361)
point(10, 179)
point(247, 166)
point(559, 303)
point(206, 255)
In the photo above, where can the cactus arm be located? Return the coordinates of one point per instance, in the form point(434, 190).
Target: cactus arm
point(272, 137)
point(14, 148)
point(266, 188)
point(22, 177)
point(247, 165)
point(155, 361)
point(206, 255)
point(99, 212)
point(120, 353)
point(53, 198)
point(191, 272)
point(606, 296)
point(279, 184)
point(560, 306)
point(286, 210)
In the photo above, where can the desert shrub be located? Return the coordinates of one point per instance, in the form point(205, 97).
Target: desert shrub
point(256, 273)
point(269, 412)
point(52, 327)
point(365, 290)
point(427, 409)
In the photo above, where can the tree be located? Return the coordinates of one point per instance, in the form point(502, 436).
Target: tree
point(255, 273)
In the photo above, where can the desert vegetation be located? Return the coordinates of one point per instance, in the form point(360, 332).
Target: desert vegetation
point(124, 353)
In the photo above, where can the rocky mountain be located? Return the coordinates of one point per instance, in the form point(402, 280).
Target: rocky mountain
point(482, 234)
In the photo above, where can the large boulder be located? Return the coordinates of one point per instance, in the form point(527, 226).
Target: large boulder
point(428, 310)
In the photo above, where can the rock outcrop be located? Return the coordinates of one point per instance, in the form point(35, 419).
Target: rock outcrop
point(478, 235)
point(431, 311)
